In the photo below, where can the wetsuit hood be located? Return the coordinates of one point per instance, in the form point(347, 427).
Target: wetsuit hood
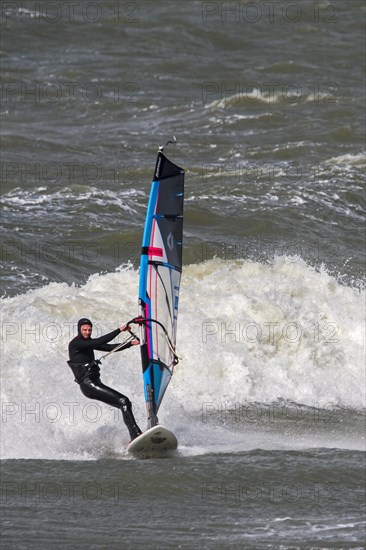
point(83, 321)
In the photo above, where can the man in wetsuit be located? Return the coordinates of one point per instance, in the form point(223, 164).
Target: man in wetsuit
point(87, 372)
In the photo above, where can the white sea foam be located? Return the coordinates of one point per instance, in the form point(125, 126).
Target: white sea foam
point(250, 334)
point(350, 160)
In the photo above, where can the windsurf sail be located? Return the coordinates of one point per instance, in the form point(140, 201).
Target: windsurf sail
point(160, 275)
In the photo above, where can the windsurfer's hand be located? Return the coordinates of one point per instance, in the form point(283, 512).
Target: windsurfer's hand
point(123, 328)
point(135, 342)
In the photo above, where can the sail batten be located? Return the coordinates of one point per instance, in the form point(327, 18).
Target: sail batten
point(160, 274)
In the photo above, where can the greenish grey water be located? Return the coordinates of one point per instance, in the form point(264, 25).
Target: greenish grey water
point(267, 105)
point(253, 500)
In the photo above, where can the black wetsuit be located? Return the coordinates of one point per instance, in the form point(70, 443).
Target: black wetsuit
point(87, 373)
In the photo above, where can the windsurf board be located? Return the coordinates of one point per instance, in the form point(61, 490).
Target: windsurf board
point(155, 439)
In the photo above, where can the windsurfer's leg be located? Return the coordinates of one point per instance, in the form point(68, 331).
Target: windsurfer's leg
point(128, 417)
point(97, 390)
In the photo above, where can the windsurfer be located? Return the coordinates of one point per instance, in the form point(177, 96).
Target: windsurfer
point(87, 372)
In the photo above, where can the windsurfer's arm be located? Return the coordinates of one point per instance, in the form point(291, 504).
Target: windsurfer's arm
point(111, 347)
point(104, 346)
point(95, 343)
